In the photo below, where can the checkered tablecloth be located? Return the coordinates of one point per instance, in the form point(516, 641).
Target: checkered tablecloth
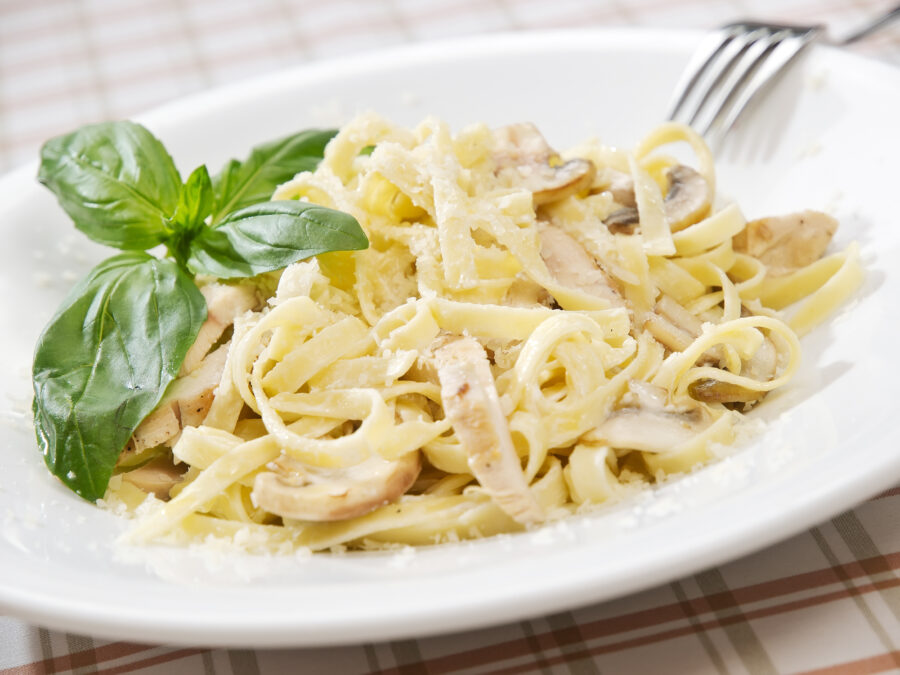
point(826, 601)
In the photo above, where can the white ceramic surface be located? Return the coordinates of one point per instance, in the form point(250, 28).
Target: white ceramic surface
point(826, 138)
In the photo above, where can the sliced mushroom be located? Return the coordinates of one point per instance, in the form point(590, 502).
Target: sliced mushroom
point(618, 183)
point(786, 243)
point(186, 402)
point(687, 199)
point(645, 422)
point(223, 304)
point(470, 401)
point(622, 221)
point(669, 335)
point(574, 267)
point(522, 154)
point(672, 310)
point(675, 328)
point(156, 477)
point(761, 367)
point(295, 490)
point(709, 390)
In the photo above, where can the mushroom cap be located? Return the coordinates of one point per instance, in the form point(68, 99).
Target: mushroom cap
point(762, 366)
point(687, 201)
point(622, 221)
point(552, 183)
point(321, 495)
point(522, 154)
point(618, 183)
point(688, 197)
point(644, 422)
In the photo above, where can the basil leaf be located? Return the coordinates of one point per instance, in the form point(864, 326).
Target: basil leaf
point(196, 201)
point(115, 180)
point(272, 235)
point(241, 184)
point(104, 361)
point(194, 206)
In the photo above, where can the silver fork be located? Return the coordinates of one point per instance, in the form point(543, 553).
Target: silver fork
point(733, 64)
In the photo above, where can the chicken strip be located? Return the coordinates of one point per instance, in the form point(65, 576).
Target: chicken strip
point(574, 267)
point(186, 402)
point(223, 304)
point(471, 404)
point(789, 242)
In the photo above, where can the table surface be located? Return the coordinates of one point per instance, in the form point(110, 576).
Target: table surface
point(826, 601)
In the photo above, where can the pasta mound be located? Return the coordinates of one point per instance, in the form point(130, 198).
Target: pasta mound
point(528, 334)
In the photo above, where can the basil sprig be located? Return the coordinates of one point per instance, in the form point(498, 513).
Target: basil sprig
point(105, 359)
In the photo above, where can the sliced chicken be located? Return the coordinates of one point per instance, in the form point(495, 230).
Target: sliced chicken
point(186, 402)
point(295, 490)
point(223, 304)
point(156, 477)
point(574, 267)
point(522, 155)
point(644, 422)
point(471, 404)
point(786, 243)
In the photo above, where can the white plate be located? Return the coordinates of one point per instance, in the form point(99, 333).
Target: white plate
point(825, 139)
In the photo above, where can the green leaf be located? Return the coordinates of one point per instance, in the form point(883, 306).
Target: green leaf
point(241, 184)
point(115, 180)
point(195, 204)
point(196, 201)
point(272, 235)
point(104, 361)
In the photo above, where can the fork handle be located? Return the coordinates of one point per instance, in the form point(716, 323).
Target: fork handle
point(868, 29)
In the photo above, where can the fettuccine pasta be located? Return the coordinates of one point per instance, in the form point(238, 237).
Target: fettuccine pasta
point(528, 334)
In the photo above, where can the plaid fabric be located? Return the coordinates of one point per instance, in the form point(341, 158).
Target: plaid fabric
point(827, 601)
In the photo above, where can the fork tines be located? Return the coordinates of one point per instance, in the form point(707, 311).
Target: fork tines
point(730, 67)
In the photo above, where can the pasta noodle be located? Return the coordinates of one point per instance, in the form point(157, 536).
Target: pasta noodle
point(528, 334)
